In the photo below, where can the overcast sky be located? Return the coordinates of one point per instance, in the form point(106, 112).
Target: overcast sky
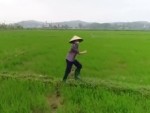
point(65, 10)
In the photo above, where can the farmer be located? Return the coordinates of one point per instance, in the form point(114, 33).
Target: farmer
point(70, 59)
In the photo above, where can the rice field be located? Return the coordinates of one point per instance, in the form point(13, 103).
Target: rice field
point(115, 74)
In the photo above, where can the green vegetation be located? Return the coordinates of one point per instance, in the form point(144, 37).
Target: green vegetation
point(23, 96)
point(100, 100)
point(115, 72)
point(4, 26)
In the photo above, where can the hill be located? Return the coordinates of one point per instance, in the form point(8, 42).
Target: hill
point(139, 25)
point(77, 24)
point(30, 24)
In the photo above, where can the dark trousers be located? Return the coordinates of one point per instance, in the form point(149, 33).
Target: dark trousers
point(68, 69)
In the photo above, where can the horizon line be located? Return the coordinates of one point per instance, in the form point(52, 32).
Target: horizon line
point(72, 21)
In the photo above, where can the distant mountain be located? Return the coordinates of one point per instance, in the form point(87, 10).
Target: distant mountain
point(37, 24)
point(30, 24)
point(72, 24)
point(139, 25)
point(77, 24)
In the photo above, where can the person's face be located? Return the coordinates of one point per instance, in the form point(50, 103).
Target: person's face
point(77, 42)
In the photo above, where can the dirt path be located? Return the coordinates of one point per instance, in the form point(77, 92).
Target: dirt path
point(55, 100)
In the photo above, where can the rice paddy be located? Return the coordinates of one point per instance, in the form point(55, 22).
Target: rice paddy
point(115, 75)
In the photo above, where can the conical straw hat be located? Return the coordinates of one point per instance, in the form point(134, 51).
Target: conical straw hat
point(74, 38)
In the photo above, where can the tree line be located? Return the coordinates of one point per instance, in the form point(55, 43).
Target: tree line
point(4, 26)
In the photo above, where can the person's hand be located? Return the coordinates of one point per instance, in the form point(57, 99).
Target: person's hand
point(85, 51)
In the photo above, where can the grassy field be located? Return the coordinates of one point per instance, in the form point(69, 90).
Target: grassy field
point(115, 74)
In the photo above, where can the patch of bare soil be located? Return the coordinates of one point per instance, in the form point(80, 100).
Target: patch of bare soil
point(55, 101)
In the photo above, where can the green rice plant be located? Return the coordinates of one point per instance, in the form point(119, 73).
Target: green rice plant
point(23, 96)
point(101, 100)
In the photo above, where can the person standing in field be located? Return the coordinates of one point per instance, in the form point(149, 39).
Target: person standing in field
point(70, 59)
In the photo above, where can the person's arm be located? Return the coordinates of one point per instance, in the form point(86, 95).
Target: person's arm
point(82, 52)
point(75, 49)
